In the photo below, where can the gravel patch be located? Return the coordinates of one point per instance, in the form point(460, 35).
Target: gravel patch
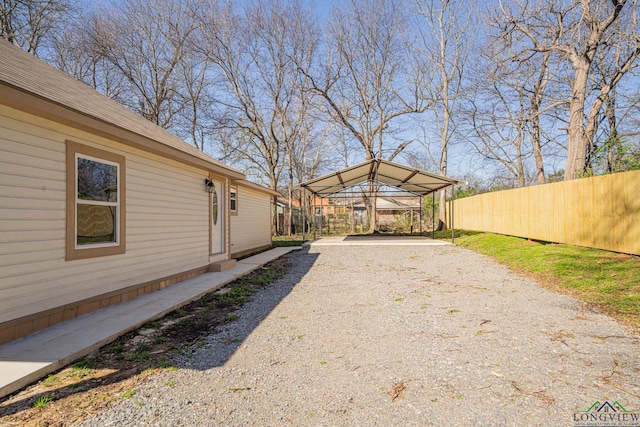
point(403, 335)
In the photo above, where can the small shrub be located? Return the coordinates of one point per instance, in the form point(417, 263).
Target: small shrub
point(42, 401)
point(114, 348)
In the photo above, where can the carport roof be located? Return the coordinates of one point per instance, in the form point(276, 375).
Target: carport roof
point(406, 178)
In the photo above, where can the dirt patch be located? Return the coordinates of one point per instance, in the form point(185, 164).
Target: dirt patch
point(112, 373)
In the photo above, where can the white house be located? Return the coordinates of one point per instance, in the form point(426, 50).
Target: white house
point(98, 205)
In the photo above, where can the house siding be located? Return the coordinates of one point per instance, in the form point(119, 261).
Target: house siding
point(167, 224)
point(251, 227)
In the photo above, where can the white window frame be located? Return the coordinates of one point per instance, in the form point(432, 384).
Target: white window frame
point(233, 197)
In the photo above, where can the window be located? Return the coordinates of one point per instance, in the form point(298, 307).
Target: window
point(214, 205)
point(233, 200)
point(95, 202)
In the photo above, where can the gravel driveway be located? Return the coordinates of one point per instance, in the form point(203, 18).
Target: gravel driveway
point(396, 336)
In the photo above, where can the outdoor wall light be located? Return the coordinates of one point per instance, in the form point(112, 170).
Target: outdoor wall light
point(208, 186)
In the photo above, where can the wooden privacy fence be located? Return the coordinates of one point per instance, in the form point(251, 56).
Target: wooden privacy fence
point(600, 212)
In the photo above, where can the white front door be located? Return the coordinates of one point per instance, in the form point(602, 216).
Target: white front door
point(217, 218)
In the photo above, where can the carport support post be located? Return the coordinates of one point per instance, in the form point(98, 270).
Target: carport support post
point(433, 215)
point(321, 214)
point(420, 212)
point(304, 212)
point(453, 196)
point(315, 220)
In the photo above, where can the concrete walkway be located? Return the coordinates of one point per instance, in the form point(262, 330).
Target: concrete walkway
point(28, 359)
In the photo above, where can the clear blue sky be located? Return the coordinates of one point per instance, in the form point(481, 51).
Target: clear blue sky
point(322, 7)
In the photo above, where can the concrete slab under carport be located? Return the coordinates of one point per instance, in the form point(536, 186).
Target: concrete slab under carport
point(30, 358)
point(376, 240)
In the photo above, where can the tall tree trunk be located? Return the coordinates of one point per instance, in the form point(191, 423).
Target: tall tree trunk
point(537, 150)
point(442, 215)
point(536, 100)
point(613, 139)
point(353, 218)
point(444, 139)
point(577, 142)
point(520, 163)
point(373, 197)
point(290, 213)
point(372, 219)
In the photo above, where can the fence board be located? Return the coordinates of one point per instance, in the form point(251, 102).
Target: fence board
point(600, 212)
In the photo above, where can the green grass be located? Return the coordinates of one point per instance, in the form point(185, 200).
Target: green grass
point(79, 372)
point(142, 355)
point(86, 363)
point(236, 295)
point(279, 241)
point(231, 318)
point(609, 280)
point(115, 348)
point(152, 325)
point(42, 401)
point(129, 393)
point(50, 381)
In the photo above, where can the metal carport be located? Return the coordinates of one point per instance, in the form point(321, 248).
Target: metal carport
point(374, 172)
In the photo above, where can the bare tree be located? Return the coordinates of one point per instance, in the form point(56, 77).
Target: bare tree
point(612, 147)
point(153, 68)
point(30, 24)
point(257, 55)
point(147, 42)
point(536, 74)
point(194, 122)
point(577, 30)
point(369, 79)
point(516, 105)
point(74, 52)
point(446, 32)
point(498, 117)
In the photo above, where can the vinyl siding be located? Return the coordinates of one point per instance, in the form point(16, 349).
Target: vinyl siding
point(251, 227)
point(167, 219)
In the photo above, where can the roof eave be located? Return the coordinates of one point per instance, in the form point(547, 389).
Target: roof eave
point(257, 187)
point(28, 102)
